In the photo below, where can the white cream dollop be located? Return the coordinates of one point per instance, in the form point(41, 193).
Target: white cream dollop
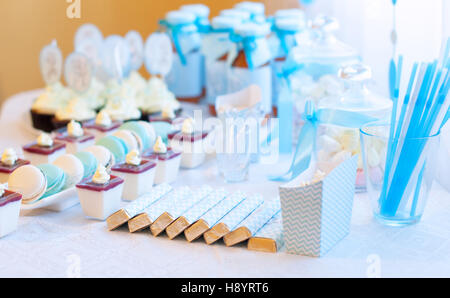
point(103, 119)
point(101, 176)
point(159, 146)
point(318, 176)
point(188, 126)
point(9, 157)
point(167, 112)
point(74, 129)
point(133, 158)
point(45, 140)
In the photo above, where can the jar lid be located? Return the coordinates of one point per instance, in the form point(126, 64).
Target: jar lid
point(290, 13)
point(222, 22)
point(255, 8)
point(291, 24)
point(357, 97)
point(236, 13)
point(252, 29)
point(322, 46)
point(178, 17)
point(199, 10)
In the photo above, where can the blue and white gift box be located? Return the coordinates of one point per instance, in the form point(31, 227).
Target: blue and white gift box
point(317, 216)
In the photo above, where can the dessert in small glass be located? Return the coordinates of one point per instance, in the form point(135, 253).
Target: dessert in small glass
point(138, 174)
point(102, 126)
point(44, 150)
point(9, 211)
point(9, 163)
point(75, 138)
point(190, 143)
point(167, 162)
point(101, 194)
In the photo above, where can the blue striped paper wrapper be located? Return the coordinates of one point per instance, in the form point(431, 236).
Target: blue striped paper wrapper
point(138, 206)
point(157, 209)
point(317, 216)
point(205, 205)
point(261, 216)
point(273, 230)
point(242, 211)
point(213, 216)
point(182, 204)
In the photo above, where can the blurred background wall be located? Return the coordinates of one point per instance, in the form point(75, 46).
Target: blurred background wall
point(27, 25)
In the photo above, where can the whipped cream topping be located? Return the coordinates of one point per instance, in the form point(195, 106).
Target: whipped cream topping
point(167, 112)
point(133, 158)
point(188, 126)
point(45, 140)
point(55, 97)
point(77, 109)
point(101, 176)
point(9, 157)
point(159, 146)
point(74, 129)
point(103, 119)
point(156, 96)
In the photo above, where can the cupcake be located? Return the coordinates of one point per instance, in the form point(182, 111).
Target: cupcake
point(155, 97)
point(43, 110)
point(138, 84)
point(102, 126)
point(167, 162)
point(9, 211)
point(44, 150)
point(121, 103)
point(101, 194)
point(9, 163)
point(75, 138)
point(77, 109)
point(138, 174)
point(190, 143)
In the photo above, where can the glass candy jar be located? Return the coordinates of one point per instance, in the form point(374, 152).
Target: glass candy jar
point(357, 104)
point(186, 77)
point(311, 69)
point(215, 47)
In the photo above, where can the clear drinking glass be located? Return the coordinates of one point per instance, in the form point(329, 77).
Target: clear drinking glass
point(399, 190)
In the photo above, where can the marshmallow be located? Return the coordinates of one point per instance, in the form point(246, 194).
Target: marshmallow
point(328, 144)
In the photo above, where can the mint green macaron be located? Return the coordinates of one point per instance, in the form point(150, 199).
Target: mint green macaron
point(56, 178)
point(117, 147)
point(89, 163)
point(162, 129)
point(140, 130)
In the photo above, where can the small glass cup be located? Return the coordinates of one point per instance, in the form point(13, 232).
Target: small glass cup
point(398, 190)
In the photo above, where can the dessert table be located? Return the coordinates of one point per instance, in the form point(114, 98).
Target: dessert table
point(67, 244)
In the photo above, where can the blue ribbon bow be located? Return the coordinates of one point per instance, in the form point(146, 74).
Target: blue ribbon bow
point(175, 31)
point(307, 138)
point(248, 45)
point(282, 34)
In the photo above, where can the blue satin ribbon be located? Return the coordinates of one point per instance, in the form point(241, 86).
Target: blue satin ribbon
point(282, 34)
point(307, 138)
point(175, 31)
point(248, 45)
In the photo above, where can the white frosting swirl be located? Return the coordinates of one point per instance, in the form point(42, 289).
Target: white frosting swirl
point(156, 96)
point(74, 129)
point(45, 140)
point(159, 146)
point(133, 158)
point(188, 126)
point(9, 157)
point(103, 119)
point(77, 109)
point(101, 176)
point(55, 97)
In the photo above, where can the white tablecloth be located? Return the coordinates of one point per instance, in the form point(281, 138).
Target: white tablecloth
point(49, 244)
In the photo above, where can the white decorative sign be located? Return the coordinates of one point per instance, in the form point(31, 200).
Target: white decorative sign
point(158, 54)
point(78, 72)
point(136, 45)
point(116, 57)
point(51, 63)
point(88, 31)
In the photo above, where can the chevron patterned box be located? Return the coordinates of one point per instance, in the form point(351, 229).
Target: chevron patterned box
point(317, 216)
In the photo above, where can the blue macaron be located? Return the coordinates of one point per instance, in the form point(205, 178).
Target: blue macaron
point(117, 147)
point(56, 179)
point(140, 130)
point(162, 129)
point(89, 163)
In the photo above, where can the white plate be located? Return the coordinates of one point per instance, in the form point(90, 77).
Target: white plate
point(57, 202)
